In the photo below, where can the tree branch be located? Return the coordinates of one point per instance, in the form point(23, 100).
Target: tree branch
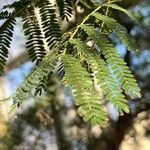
point(17, 61)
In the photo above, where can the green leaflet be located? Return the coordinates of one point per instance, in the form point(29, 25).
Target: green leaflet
point(65, 8)
point(50, 24)
point(117, 28)
point(4, 14)
point(121, 70)
point(35, 44)
point(116, 7)
point(107, 83)
point(83, 90)
point(6, 34)
point(58, 71)
point(35, 77)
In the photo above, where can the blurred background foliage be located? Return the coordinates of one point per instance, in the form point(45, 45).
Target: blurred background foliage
point(42, 125)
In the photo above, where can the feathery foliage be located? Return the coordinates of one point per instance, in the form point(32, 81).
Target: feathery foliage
point(35, 44)
point(65, 8)
point(89, 102)
point(4, 14)
point(6, 33)
point(117, 28)
point(116, 7)
point(58, 71)
point(50, 23)
point(35, 77)
point(95, 73)
point(119, 67)
point(101, 72)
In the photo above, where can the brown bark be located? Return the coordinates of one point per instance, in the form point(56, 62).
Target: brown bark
point(58, 114)
point(17, 61)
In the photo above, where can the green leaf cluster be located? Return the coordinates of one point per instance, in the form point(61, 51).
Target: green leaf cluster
point(95, 72)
